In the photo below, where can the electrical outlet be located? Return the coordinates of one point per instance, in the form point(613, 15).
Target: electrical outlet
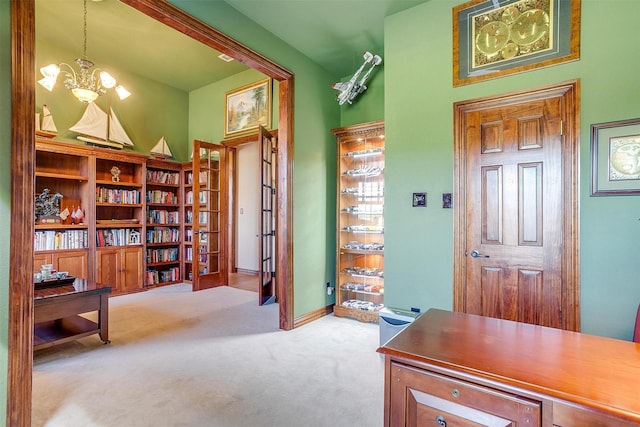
point(329, 289)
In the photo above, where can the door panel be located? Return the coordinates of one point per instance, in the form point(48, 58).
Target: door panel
point(209, 215)
point(517, 209)
point(267, 217)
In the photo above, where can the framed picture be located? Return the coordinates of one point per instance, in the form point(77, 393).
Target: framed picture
point(495, 38)
point(247, 107)
point(615, 158)
point(419, 200)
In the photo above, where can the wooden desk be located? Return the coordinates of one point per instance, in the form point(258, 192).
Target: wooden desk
point(57, 310)
point(458, 369)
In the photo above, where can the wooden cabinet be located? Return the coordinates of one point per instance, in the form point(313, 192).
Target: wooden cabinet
point(466, 370)
point(121, 268)
point(75, 261)
point(163, 223)
point(360, 221)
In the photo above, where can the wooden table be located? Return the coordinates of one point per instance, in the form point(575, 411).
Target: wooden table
point(57, 313)
point(461, 369)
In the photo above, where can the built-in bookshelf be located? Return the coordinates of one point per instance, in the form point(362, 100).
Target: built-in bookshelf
point(163, 238)
point(187, 212)
point(62, 184)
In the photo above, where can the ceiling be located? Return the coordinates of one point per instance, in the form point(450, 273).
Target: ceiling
point(333, 33)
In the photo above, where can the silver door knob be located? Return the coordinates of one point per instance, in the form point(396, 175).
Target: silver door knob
point(475, 254)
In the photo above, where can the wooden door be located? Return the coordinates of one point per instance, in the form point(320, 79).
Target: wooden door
point(267, 216)
point(131, 268)
point(209, 215)
point(516, 248)
point(108, 261)
point(74, 262)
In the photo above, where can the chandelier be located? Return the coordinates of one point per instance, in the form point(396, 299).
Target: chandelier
point(85, 84)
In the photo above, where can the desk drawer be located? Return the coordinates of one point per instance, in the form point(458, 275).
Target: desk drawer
point(424, 398)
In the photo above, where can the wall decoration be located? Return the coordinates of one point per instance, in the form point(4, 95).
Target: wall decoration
point(420, 200)
point(495, 38)
point(447, 200)
point(247, 107)
point(615, 158)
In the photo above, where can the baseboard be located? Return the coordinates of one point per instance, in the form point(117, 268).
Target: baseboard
point(245, 271)
point(314, 315)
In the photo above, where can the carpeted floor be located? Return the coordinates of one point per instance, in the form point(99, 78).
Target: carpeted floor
point(211, 358)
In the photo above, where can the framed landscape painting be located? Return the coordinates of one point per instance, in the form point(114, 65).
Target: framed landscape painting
point(495, 38)
point(247, 107)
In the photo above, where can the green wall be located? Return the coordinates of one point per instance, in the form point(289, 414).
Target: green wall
point(419, 101)
point(153, 110)
point(5, 192)
point(207, 104)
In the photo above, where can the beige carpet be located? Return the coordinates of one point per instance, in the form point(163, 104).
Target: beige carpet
point(211, 358)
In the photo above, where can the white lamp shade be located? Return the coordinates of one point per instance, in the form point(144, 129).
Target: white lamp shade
point(107, 80)
point(51, 71)
point(47, 83)
point(122, 92)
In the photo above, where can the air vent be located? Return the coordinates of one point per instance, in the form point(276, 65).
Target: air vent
point(225, 58)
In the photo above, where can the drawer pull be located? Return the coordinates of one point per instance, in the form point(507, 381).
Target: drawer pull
point(440, 420)
point(455, 392)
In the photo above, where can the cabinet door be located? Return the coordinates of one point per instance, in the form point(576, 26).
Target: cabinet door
point(73, 262)
point(422, 398)
point(39, 259)
point(108, 268)
point(131, 268)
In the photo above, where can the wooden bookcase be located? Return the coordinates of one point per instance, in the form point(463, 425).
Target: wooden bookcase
point(187, 215)
point(64, 243)
point(163, 223)
point(105, 245)
point(360, 221)
point(119, 219)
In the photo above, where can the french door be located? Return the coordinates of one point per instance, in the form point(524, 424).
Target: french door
point(267, 215)
point(209, 215)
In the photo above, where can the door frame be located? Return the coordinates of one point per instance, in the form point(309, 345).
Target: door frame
point(20, 334)
point(570, 92)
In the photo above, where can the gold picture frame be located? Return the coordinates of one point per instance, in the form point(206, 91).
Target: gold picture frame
point(247, 107)
point(496, 38)
point(615, 158)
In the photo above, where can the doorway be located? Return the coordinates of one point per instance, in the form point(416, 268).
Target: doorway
point(20, 342)
point(516, 206)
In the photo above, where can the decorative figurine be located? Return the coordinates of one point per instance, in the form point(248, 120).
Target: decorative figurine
point(115, 172)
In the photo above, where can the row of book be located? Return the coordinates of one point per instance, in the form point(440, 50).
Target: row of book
point(117, 237)
point(162, 276)
point(163, 235)
point(155, 216)
point(50, 240)
point(117, 195)
point(203, 177)
point(163, 177)
point(159, 196)
point(162, 255)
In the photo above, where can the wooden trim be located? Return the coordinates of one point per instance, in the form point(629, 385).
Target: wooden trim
point(20, 362)
point(20, 342)
point(311, 316)
point(570, 92)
